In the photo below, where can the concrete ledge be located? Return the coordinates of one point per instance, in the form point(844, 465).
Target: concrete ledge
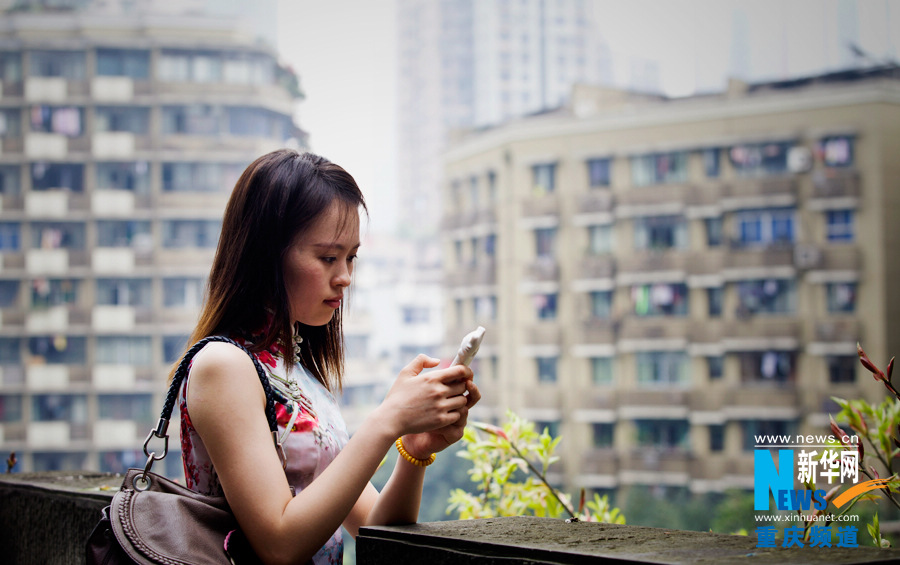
point(47, 517)
point(531, 541)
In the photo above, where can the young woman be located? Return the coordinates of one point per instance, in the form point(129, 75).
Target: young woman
point(289, 239)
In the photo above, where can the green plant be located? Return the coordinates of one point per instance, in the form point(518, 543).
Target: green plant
point(510, 466)
point(874, 424)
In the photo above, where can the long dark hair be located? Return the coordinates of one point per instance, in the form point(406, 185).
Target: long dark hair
point(277, 198)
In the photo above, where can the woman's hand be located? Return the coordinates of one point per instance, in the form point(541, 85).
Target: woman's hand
point(422, 445)
point(429, 402)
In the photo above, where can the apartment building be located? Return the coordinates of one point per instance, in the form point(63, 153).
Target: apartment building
point(120, 139)
point(664, 279)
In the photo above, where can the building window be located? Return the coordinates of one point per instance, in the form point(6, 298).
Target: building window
point(190, 66)
point(543, 178)
point(713, 231)
point(10, 236)
point(57, 235)
point(173, 347)
point(58, 461)
point(9, 293)
point(660, 232)
point(66, 120)
point(841, 368)
point(137, 407)
point(492, 185)
point(10, 67)
point(546, 369)
point(124, 350)
point(125, 292)
point(766, 430)
point(599, 172)
point(600, 239)
point(10, 351)
point(659, 168)
point(662, 368)
point(11, 408)
point(767, 366)
point(545, 306)
point(458, 307)
point(839, 225)
point(545, 242)
point(662, 434)
point(769, 296)
point(57, 176)
point(836, 151)
point(485, 307)
point(760, 159)
point(123, 118)
point(840, 297)
point(53, 292)
point(602, 370)
point(199, 177)
point(57, 349)
point(134, 176)
point(711, 162)
point(603, 434)
point(183, 234)
point(183, 292)
point(259, 122)
point(10, 123)
point(415, 315)
point(716, 438)
point(715, 297)
point(59, 407)
point(130, 63)
point(715, 365)
point(765, 226)
point(601, 304)
point(550, 426)
point(121, 461)
point(10, 180)
point(196, 119)
point(124, 233)
point(490, 245)
point(660, 299)
point(69, 65)
point(474, 196)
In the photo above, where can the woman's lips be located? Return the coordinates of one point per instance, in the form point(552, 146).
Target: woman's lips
point(334, 302)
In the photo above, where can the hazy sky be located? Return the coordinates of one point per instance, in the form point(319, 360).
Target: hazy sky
point(344, 51)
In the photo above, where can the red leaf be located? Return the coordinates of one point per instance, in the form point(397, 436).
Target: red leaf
point(867, 363)
point(889, 369)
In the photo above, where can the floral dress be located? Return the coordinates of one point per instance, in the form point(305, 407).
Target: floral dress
point(310, 428)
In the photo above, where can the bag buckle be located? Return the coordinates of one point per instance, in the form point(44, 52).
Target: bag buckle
point(160, 432)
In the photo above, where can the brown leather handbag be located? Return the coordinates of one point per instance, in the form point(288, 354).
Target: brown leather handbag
point(153, 520)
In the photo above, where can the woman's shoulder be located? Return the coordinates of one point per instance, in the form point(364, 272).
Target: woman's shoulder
point(221, 358)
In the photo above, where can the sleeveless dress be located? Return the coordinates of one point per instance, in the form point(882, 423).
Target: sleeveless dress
point(317, 434)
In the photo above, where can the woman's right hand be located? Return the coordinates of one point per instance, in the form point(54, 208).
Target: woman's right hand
point(420, 402)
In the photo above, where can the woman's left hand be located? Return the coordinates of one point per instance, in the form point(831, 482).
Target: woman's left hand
point(422, 445)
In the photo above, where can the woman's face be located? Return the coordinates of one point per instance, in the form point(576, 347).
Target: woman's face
point(319, 263)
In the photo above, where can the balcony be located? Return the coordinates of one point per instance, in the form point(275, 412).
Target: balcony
point(542, 269)
point(484, 273)
point(546, 333)
point(600, 461)
point(596, 201)
point(469, 219)
point(641, 262)
point(592, 267)
point(542, 397)
point(652, 200)
point(760, 332)
point(833, 185)
point(593, 398)
point(655, 328)
point(546, 205)
point(754, 193)
point(596, 330)
point(213, 202)
point(670, 465)
point(836, 330)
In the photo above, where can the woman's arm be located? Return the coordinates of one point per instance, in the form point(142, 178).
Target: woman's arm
point(226, 404)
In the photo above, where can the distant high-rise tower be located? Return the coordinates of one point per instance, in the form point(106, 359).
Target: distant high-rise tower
point(465, 64)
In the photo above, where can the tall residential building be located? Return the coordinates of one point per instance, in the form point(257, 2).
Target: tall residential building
point(470, 64)
point(121, 139)
point(663, 280)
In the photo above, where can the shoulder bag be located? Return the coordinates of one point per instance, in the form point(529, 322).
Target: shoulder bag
point(153, 520)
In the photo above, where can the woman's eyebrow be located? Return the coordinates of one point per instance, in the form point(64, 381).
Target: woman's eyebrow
point(334, 245)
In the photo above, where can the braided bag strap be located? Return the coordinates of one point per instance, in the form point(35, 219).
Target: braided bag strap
point(185, 363)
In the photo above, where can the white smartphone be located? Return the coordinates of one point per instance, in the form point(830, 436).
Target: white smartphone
point(469, 347)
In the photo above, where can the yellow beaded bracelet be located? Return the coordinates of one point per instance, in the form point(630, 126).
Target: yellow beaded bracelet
point(417, 462)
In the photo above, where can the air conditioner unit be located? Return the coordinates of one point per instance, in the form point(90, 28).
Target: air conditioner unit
point(807, 256)
point(799, 159)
